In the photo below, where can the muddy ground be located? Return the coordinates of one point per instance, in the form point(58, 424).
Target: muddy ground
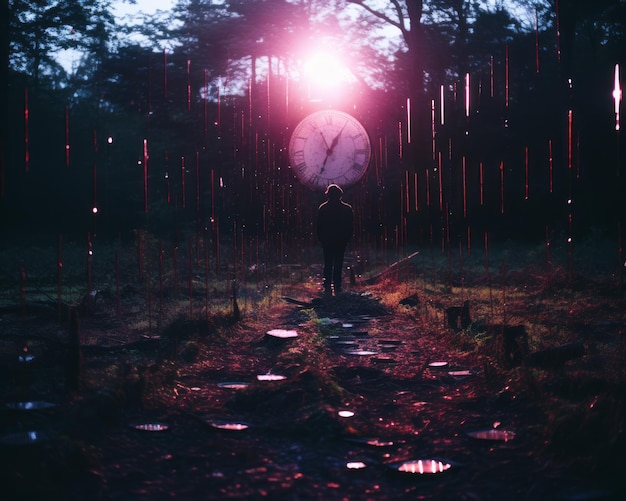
point(167, 401)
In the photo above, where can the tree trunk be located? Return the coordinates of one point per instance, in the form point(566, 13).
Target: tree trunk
point(420, 110)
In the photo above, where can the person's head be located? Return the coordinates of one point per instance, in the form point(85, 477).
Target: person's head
point(334, 192)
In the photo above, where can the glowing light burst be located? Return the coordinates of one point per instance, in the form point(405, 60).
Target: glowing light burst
point(324, 73)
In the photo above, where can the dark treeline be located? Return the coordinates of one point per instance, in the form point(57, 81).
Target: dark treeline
point(212, 115)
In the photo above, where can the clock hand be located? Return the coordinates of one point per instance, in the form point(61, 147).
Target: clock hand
point(332, 147)
point(324, 163)
point(335, 141)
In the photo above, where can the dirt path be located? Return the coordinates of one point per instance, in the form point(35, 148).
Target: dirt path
point(413, 390)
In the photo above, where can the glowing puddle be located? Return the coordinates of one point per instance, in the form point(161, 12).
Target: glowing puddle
point(492, 434)
point(270, 377)
point(228, 425)
point(422, 467)
point(282, 333)
point(152, 427)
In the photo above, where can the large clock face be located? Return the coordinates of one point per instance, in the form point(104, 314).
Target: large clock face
point(329, 147)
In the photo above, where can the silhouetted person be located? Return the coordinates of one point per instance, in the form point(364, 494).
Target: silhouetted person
point(335, 220)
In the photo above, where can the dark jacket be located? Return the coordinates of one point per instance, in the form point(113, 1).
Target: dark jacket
point(335, 219)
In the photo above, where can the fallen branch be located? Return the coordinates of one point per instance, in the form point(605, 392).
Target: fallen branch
point(392, 267)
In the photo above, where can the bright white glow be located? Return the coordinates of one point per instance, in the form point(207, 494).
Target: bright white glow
point(127, 15)
point(441, 98)
point(325, 70)
point(617, 96)
point(467, 94)
point(123, 9)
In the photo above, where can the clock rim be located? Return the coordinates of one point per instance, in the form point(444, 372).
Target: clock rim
point(308, 117)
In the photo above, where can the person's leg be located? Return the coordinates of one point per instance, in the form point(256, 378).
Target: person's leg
point(328, 270)
point(338, 268)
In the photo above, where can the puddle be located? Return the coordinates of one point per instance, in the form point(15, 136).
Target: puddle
point(422, 467)
point(282, 333)
point(150, 427)
point(21, 438)
point(492, 434)
point(233, 385)
point(34, 405)
point(270, 377)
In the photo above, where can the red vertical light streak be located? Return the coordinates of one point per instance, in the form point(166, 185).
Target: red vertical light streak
point(415, 187)
point(67, 136)
point(570, 133)
point(407, 198)
point(400, 139)
point(26, 132)
point(182, 181)
point(145, 175)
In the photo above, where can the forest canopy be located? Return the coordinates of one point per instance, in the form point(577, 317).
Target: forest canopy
point(208, 93)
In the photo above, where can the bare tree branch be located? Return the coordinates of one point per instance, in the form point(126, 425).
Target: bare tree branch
point(399, 23)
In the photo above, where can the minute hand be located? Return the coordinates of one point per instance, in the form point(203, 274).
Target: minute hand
point(334, 143)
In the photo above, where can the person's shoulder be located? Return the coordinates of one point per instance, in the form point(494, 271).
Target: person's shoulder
point(346, 205)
